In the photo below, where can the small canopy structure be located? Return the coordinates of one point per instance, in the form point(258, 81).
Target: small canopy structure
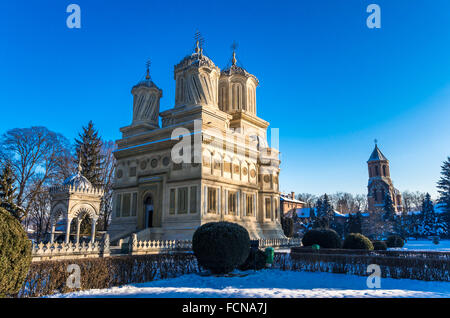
point(74, 199)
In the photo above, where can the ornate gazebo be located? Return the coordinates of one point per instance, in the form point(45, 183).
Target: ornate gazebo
point(75, 198)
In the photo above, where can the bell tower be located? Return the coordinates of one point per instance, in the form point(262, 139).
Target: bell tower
point(380, 183)
point(146, 98)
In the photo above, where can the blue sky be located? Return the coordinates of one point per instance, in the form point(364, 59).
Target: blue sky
point(330, 84)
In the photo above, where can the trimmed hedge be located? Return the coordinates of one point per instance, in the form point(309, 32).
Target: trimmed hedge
point(395, 241)
point(221, 246)
point(50, 277)
point(427, 269)
point(357, 241)
point(255, 260)
point(325, 238)
point(379, 246)
point(15, 254)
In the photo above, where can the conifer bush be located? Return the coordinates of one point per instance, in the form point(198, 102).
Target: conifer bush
point(357, 241)
point(256, 260)
point(395, 241)
point(15, 254)
point(325, 238)
point(379, 246)
point(221, 246)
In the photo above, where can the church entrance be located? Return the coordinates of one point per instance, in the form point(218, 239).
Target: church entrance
point(148, 206)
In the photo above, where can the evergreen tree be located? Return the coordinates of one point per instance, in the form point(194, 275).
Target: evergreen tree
point(354, 223)
point(388, 209)
point(88, 148)
point(444, 191)
point(428, 217)
point(7, 192)
point(324, 212)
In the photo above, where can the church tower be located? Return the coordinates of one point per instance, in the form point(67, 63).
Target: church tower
point(380, 182)
point(146, 98)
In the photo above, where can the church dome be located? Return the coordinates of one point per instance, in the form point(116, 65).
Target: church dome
point(78, 180)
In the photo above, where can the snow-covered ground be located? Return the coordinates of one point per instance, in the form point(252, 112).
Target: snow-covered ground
point(426, 245)
point(272, 283)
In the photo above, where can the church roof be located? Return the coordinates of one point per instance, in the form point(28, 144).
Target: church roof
point(78, 180)
point(377, 155)
point(235, 69)
point(147, 81)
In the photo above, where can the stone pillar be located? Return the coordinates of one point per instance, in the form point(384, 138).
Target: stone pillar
point(78, 230)
point(68, 230)
point(94, 222)
point(52, 233)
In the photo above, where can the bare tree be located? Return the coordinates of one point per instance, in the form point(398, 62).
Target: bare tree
point(36, 157)
point(107, 178)
point(308, 198)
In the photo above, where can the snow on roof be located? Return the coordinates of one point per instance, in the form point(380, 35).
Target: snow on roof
point(286, 197)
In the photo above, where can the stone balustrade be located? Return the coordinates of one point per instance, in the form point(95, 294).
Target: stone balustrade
point(137, 247)
point(280, 242)
point(57, 251)
point(52, 251)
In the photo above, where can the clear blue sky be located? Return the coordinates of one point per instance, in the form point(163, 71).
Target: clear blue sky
point(330, 84)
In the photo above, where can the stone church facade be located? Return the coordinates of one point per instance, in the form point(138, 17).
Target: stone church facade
point(380, 183)
point(208, 161)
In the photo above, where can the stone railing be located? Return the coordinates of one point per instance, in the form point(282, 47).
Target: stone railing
point(52, 251)
point(155, 247)
point(280, 242)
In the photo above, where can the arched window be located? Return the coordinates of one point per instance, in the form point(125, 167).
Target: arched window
point(377, 171)
point(384, 171)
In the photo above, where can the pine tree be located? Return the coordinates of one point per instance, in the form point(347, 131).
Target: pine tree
point(388, 208)
point(7, 192)
point(88, 147)
point(428, 217)
point(444, 191)
point(325, 212)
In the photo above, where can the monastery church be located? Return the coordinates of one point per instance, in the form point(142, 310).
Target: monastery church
point(233, 174)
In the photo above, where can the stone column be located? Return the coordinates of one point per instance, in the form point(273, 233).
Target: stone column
point(68, 230)
point(52, 233)
point(78, 230)
point(94, 221)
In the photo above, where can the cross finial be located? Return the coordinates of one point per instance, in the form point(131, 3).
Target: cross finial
point(376, 141)
point(234, 47)
point(147, 77)
point(79, 162)
point(199, 42)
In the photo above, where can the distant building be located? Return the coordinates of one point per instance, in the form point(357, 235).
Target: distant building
point(288, 204)
point(380, 183)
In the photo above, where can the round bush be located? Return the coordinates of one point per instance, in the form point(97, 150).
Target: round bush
point(325, 238)
point(15, 254)
point(395, 241)
point(221, 246)
point(256, 260)
point(379, 246)
point(357, 241)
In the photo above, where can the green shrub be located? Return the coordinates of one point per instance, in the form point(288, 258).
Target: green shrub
point(395, 241)
point(357, 241)
point(325, 238)
point(15, 254)
point(256, 260)
point(379, 246)
point(221, 246)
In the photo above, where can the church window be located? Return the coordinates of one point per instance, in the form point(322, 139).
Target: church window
point(134, 204)
point(232, 203)
point(182, 200)
point(268, 206)
point(126, 204)
point(212, 200)
point(384, 171)
point(118, 204)
point(172, 202)
point(249, 205)
point(193, 199)
point(377, 172)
